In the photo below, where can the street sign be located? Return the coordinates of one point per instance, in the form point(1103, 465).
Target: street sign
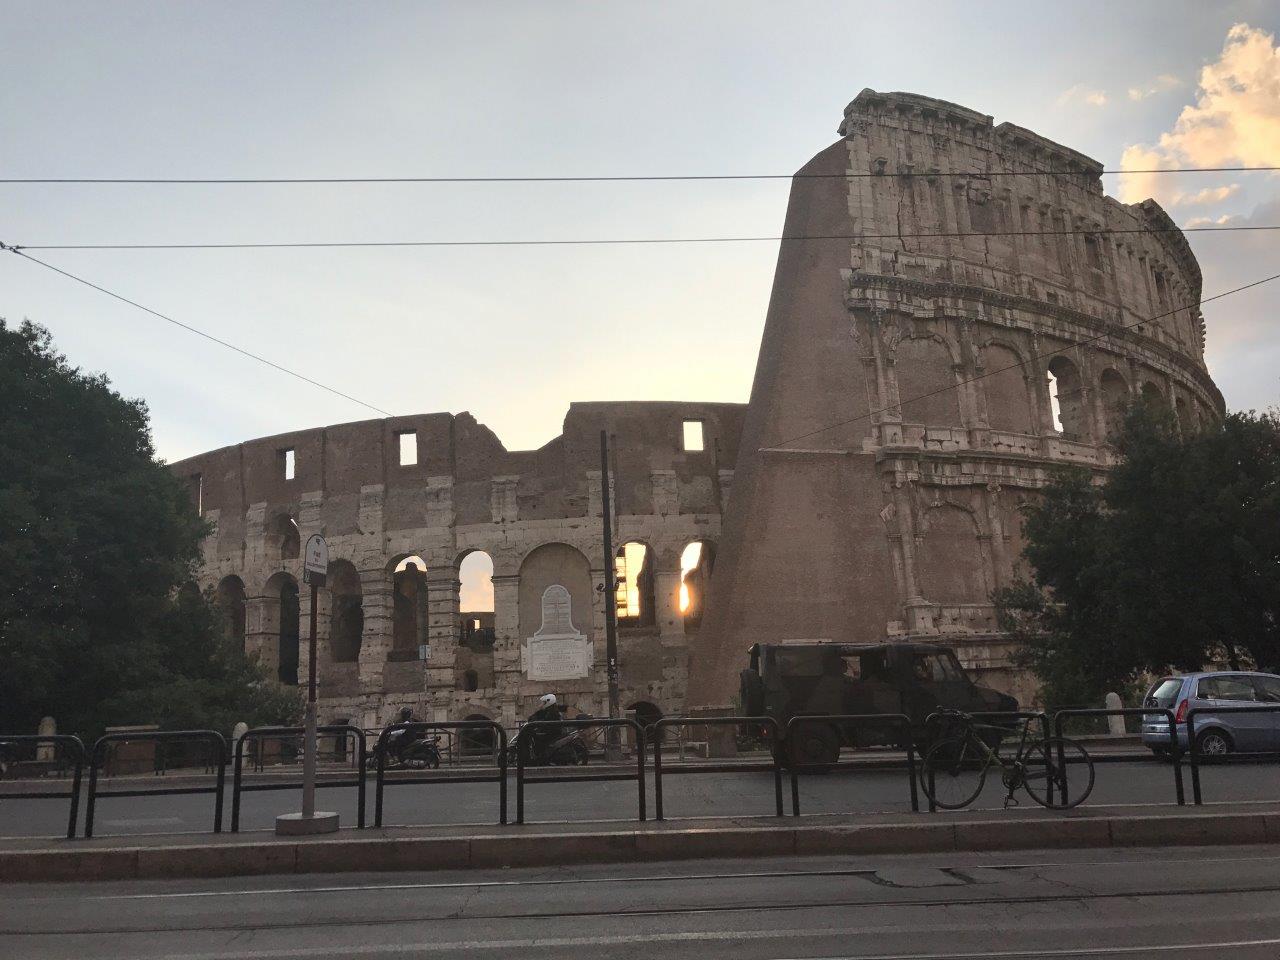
point(315, 560)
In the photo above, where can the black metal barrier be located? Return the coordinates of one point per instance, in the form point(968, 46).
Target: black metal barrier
point(522, 758)
point(72, 746)
point(1194, 748)
point(775, 744)
point(870, 719)
point(1175, 751)
point(161, 736)
point(261, 733)
point(380, 751)
point(996, 715)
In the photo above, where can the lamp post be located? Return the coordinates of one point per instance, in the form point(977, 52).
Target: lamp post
point(612, 749)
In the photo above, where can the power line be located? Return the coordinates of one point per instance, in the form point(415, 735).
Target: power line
point(197, 331)
point(1022, 363)
point(634, 178)
point(615, 241)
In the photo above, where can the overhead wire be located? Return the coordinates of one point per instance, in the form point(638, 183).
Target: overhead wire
point(782, 444)
point(622, 178)
point(613, 241)
point(197, 331)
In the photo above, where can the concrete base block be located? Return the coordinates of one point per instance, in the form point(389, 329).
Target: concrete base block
point(535, 851)
point(375, 855)
point(922, 837)
point(700, 844)
point(1190, 830)
point(296, 825)
point(1032, 834)
point(216, 861)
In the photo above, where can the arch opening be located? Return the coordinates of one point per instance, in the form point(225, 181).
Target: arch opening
point(634, 594)
point(409, 610)
point(346, 612)
point(230, 600)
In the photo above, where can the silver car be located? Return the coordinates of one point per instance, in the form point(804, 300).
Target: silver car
point(1217, 734)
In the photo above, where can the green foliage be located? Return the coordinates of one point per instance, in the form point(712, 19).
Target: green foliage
point(1172, 562)
point(96, 538)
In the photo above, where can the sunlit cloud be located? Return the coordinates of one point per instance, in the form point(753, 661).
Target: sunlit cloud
point(1082, 94)
point(1234, 121)
point(1161, 84)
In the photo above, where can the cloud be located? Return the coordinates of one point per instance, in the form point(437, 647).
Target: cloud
point(1221, 221)
point(1234, 121)
point(1081, 93)
point(1161, 84)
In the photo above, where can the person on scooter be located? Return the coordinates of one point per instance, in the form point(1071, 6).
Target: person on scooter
point(548, 710)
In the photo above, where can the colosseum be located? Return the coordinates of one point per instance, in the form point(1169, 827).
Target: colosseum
point(957, 310)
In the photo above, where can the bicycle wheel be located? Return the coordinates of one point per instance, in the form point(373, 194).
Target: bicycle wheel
point(1057, 773)
point(953, 772)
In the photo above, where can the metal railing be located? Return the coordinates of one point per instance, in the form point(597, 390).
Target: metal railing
point(522, 758)
point(1175, 751)
point(381, 781)
point(867, 719)
point(667, 723)
point(1193, 752)
point(261, 733)
point(73, 746)
point(219, 760)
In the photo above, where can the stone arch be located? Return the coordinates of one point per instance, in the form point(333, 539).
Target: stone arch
point(548, 564)
point(949, 555)
point(346, 612)
point(925, 370)
point(408, 607)
point(1066, 397)
point(636, 598)
point(282, 589)
point(1115, 399)
point(1151, 393)
point(697, 561)
point(1004, 383)
point(230, 599)
point(475, 576)
point(282, 539)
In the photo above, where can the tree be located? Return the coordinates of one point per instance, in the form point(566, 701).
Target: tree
point(100, 622)
point(1170, 561)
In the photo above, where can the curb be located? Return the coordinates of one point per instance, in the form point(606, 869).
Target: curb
point(388, 853)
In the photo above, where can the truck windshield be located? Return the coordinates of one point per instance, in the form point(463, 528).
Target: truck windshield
point(800, 662)
point(936, 667)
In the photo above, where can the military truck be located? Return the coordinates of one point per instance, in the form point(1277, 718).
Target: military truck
point(819, 677)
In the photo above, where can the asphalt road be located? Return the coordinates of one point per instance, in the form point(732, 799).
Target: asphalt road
point(848, 790)
point(1201, 902)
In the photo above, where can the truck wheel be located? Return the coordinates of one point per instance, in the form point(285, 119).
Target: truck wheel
point(813, 748)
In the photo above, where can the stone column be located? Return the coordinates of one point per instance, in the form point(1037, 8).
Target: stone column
point(262, 631)
point(675, 644)
point(443, 587)
point(376, 586)
point(507, 635)
point(995, 523)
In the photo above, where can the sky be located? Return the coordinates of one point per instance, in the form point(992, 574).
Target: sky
point(474, 89)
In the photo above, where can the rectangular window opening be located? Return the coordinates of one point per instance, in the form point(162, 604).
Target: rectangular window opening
point(195, 486)
point(408, 448)
point(693, 435)
point(289, 463)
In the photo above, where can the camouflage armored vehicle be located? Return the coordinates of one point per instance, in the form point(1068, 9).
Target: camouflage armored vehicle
point(817, 677)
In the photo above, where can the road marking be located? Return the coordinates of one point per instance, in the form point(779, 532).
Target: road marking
point(666, 878)
point(713, 936)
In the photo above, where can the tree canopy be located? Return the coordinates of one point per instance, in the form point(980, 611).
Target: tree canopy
point(1172, 560)
point(100, 621)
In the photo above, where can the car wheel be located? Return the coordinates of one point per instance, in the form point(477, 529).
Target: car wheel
point(1212, 744)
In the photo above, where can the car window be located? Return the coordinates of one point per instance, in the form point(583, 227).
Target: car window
point(1268, 689)
point(1164, 693)
point(935, 667)
point(1227, 688)
point(800, 663)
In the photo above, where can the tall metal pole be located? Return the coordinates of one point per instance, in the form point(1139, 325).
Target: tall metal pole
point(612, 750)
point(309, 742)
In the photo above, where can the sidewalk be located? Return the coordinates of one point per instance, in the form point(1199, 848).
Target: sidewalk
point(546, 844)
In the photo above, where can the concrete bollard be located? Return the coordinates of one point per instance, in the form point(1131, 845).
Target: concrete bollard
point(1115, 725)
point(47, 752)
point(237, 733)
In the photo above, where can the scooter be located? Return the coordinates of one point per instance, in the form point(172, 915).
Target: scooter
point(406, 748)
point(569, 750)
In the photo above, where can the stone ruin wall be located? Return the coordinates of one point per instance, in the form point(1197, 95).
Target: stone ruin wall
point(536, 513)
point(917, 503)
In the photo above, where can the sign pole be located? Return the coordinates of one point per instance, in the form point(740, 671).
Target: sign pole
point(309, 735)
point(315, 568)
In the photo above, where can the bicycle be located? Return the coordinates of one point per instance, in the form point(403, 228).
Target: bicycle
point(1056, 772)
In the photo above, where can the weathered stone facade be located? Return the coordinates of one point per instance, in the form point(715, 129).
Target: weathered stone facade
point(537, 514)
point(930, 336)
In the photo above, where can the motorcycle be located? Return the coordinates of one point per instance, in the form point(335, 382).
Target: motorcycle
point(407, 748)
point(568, 750)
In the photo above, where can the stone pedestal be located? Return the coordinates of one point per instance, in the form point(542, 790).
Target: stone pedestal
point(296, 825)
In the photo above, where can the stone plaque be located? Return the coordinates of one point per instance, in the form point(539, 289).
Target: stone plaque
point(558, 651)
